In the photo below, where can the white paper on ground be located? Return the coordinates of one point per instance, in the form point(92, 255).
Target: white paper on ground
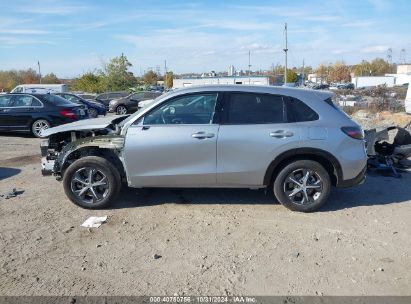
point(94, 221)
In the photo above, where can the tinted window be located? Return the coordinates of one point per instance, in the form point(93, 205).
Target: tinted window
point(137, 96)
point(102, 96)
point(299, 111)
point(190, 109)
point(116, 95)
point(5, 101)
point(55, 100)
point(250, 108)
point(22, 101)
point(72, 98)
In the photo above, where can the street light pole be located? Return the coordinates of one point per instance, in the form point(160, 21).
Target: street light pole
point(285, 51)
point(38, 63)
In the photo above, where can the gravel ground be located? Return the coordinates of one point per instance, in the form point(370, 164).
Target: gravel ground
point(199, 242)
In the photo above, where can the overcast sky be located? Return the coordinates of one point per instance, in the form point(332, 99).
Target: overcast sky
point(73, 37)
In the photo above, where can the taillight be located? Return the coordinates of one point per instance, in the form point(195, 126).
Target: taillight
point(353, 132)
point(68, 114)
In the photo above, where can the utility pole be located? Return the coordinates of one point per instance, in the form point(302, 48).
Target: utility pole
point(285, 51)
point(38, 63)
point(249, 67)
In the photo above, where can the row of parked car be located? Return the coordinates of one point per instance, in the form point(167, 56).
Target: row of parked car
point(34, 110)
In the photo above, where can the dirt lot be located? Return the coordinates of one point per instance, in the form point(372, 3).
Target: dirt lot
point(211, 242)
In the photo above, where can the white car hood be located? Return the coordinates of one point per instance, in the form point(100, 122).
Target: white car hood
point(85, 124)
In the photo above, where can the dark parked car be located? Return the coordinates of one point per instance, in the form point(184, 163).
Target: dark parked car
point(129, 103)
point(105, 98)
point(94, 108)
point(36, 112)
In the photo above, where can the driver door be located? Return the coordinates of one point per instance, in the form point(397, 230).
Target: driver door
point(174, 145)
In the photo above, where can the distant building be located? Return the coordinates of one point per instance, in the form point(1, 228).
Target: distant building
point(231, 71)
point(252, 80)
point(403, 68)
point(373, 81)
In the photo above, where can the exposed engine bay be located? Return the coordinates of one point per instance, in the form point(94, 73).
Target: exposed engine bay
point(77, 140)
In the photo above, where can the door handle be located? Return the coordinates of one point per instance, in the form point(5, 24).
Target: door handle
point(202, 135)
point(281, 134)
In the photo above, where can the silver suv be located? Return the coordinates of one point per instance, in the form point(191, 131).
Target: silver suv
point(292, 141)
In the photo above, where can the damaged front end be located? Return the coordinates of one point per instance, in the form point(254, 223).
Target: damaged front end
point(65, 144)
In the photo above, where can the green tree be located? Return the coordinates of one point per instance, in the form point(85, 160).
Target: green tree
point(169, 80)
point(89, 82)
point(292, 76)
point(150, 78)
point(50, 79)
point(117, 74)
point(363, 69)
point(380, 67)
point(9, 80)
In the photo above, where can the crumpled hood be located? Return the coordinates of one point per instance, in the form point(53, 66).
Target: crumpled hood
point(85, 124)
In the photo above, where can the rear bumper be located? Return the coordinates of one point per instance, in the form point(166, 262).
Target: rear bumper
point(358, 180)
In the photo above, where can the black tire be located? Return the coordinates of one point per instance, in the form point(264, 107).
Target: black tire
point(121, 110)
point(92, 113)
point(318, 180)
point(102, 167)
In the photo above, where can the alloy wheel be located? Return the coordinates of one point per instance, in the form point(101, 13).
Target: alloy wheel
point(121, 110)
point(303, 186)
point(38, 126)
point(92, 113)
point(90, 185)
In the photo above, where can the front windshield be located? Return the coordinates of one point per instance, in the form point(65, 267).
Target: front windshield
point(132, 116)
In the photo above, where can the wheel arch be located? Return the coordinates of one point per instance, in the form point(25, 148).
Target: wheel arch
point(106, 153)
point(326, 159)
point(108, 147)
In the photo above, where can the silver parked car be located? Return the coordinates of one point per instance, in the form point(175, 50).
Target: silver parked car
point(292, 141)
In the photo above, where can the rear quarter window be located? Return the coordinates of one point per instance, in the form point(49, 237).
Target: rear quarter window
point(298, 111)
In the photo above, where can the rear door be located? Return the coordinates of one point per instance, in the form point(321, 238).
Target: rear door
point(174, 144)
point(253, 131)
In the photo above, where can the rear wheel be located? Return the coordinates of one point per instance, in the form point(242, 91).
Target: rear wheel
point(91, 182)
point(303, 185)
point(121, 110)
point(38, 126)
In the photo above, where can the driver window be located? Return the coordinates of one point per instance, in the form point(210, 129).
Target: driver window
point(189, 109)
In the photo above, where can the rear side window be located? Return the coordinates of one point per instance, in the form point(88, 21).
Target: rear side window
point(250, 108)
point(298, 111)
point(22, 101)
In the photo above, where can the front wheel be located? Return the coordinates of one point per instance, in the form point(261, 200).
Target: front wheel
point(91, 182)
point(303, 185)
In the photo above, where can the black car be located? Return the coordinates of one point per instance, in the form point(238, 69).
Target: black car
point(105, 98)
point(130, 103)
point(35, 112)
